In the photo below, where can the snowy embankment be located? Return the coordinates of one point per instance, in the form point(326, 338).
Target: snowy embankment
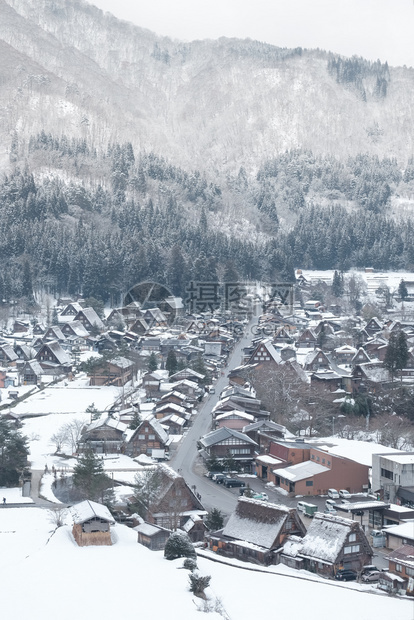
point(61, 578)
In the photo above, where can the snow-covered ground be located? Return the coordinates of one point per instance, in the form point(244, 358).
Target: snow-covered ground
point(68, 397)
point(44, 575)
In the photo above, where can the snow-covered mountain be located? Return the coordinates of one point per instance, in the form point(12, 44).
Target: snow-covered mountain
point(66, 67)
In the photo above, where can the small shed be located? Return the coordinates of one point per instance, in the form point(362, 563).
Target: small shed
point(152, 536)
point(91, 523)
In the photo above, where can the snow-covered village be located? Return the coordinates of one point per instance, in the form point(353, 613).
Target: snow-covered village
point(207, 309)
point(174, 447)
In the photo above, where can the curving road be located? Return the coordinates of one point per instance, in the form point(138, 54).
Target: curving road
point(186, 460)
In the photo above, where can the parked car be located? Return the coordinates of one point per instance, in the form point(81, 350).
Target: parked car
point(369, 568)
point(330, 503)
point(372, 576)
point(308, 509)
point(345, 494)
point(218, 478)
point(262, 496)
point(346, 574)
point(330, 510)
point(333, 494)
point(233, 482)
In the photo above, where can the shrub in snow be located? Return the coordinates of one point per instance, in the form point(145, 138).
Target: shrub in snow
point(179, 545)
point(198, 584)
point(190, 564)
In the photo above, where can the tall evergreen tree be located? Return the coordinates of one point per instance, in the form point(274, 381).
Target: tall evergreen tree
point(171, 363)
point(89, 477)
point(152, 362)
point(402, 290)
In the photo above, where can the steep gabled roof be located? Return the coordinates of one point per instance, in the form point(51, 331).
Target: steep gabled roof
point(223, 433)
point(61, 355)
point(89, 510)
point(156, 427)
point(257, 522)
point(91, 316)
point(326, 536)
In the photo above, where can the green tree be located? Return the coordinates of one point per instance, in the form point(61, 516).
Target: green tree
point(136, 421)
point(89, 477)
point(152, 362)
point(214, 520)
point(198, 583)
point(337, 285)
point(27, 284)
point(179, 545)
point(171, 364)
point(396, 355)
point(402, 290)
point(93, 411)
point(13, 454)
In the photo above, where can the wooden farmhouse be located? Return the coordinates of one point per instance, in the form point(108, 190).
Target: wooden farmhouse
point(256, 531)
point(331, 543)
point(91, 524)
point(174, 503)
point(146, 438)
point(103, 436)
point(53, 358)
point(225, 442)
point(89, 319)
point(117, 372)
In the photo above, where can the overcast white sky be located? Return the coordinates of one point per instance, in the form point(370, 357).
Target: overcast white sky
point(374, 29)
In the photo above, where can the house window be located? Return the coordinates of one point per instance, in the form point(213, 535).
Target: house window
point(329, 462)
point(398, 568)
point(323, 460)
point(313, 457)
point(409, 571)
point(352, 538)
point(352, 549)
point(386, 473)
point(309, 483)
point(141, 437)
point(151, 437)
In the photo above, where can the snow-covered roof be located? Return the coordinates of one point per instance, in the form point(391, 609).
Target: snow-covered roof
point(325, 537)
point(222, 434)
point(148, 529)
point(301, 471)
point(265, 426)
point(403, 530)
point(122, 362)
point(267, 458)
point(89, 510)
point(235, 413)
point(107, 421)
point(256, 522)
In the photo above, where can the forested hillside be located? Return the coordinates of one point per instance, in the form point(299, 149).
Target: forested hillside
point(78, 221)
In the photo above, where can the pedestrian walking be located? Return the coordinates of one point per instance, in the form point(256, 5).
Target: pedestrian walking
point(4, 500)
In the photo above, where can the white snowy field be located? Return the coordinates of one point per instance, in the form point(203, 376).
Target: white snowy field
point(44, 575)
point(68, 397)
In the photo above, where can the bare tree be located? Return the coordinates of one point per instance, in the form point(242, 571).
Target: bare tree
point(68, 435)
point(57, 516)
point(395, 432)
point(278, 389)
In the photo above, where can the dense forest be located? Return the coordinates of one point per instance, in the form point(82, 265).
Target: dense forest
point(80, 222)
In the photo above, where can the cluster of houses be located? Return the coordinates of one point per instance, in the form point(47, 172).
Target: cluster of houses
point(39, 353)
